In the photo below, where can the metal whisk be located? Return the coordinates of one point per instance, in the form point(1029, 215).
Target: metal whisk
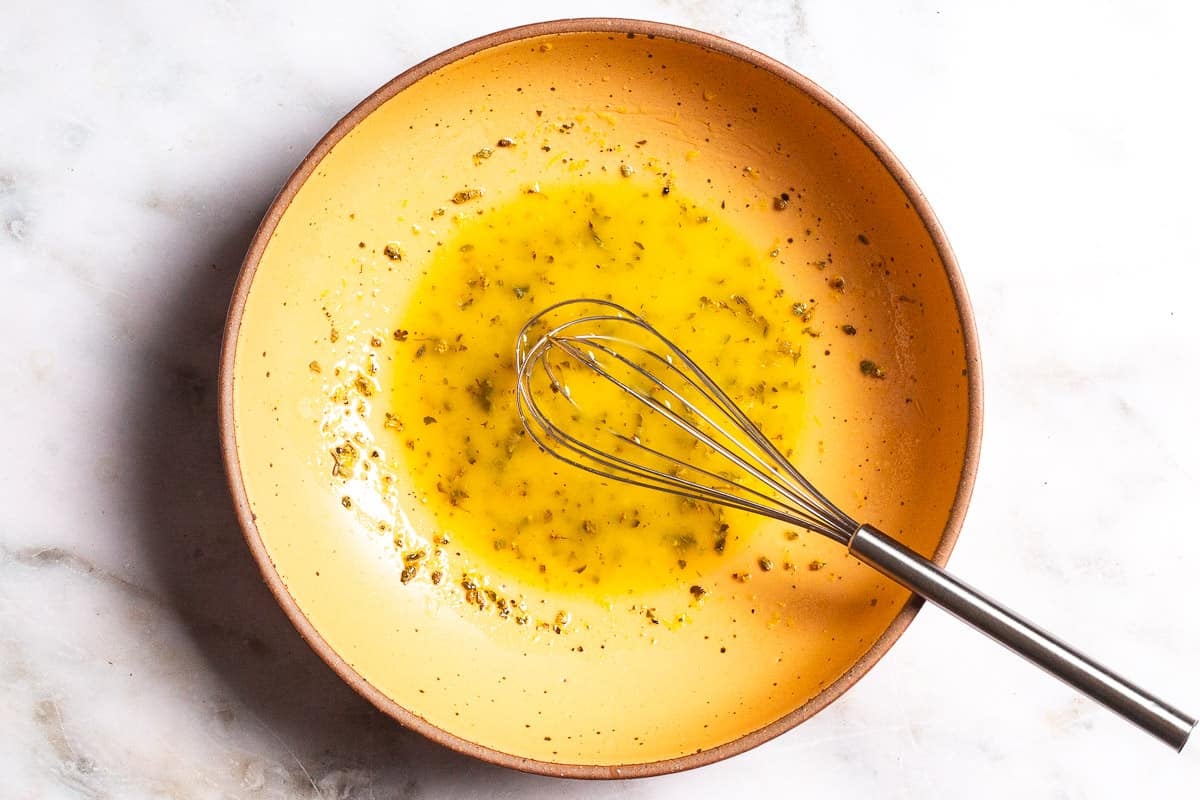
point(704, 447)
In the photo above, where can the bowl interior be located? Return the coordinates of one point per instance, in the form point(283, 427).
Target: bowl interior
point(320, 297)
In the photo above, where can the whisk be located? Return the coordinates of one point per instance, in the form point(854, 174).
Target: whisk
point(712, 452)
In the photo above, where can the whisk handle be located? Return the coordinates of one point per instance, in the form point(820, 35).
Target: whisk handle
point(927, 579)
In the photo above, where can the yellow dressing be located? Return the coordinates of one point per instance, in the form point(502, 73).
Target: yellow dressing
point(518, 512)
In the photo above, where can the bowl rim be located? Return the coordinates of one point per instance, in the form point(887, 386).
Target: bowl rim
point(258, 245)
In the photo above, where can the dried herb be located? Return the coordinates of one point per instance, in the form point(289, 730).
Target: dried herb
point(345, 456)
point(466, 195)
point(804, 311)
point(483, 391)
point(871, 369)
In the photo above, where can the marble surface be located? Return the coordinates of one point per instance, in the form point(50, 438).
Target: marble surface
point(140, 655)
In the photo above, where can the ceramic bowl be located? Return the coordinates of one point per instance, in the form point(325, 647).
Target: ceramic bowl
point(734, 131)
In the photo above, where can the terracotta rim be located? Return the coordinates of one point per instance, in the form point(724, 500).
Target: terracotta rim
point(229, 434)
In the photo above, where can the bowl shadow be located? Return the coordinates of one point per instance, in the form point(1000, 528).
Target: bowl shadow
point(324, 736)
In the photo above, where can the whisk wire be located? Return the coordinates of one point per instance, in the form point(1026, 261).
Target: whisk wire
point(678, 463)
point(791, 497)
point(607, 465)
point(750, 461)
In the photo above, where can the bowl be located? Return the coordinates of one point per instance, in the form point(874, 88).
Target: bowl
point(333, 478)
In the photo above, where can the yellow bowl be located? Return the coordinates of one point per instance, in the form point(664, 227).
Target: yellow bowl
point(615, 697)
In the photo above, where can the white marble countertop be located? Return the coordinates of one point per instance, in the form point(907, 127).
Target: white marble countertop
point(141, 656)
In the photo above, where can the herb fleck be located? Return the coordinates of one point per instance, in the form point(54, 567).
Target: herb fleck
point(345, 456)
point(482, 391)
point(804, 310)
point(871, 369)
point(364, 385)
point(466, 195)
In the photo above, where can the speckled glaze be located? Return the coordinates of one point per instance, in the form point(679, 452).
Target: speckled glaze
point(730, 128)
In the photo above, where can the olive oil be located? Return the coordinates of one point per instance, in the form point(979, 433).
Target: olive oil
point(518, 513)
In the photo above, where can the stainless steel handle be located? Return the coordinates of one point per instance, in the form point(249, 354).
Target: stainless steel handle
point(927, 579)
